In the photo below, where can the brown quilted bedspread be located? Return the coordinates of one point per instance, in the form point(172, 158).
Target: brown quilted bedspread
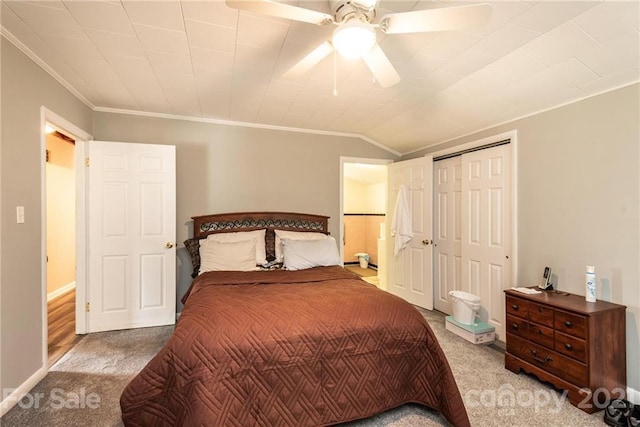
point(291, 348)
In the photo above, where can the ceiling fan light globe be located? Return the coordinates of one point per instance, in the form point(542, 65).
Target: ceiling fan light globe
point(354, 39)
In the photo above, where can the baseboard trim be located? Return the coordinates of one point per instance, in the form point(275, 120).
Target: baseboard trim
point(633, 396)
point(61, 291)
point(17, 394)
point(357, 263)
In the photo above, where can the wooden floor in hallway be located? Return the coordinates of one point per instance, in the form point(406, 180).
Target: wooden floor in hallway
point(367, 274)
point(362, 272)
point(61, 318)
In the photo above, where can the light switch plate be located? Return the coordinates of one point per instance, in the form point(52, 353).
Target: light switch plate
point(20, 214)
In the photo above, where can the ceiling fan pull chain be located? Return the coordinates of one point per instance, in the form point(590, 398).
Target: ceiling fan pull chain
point(335, 73)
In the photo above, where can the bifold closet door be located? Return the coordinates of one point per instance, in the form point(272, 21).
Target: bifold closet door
point(447, 220)
point(472, 230)
point(486, 229)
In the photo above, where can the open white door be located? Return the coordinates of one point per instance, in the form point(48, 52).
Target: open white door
point(410, 272)
point(132, 254)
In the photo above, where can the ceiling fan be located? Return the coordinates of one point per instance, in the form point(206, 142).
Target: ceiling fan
point(355, 35)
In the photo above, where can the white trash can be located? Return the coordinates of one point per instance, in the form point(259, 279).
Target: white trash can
point(364, 259)
point(465, 307)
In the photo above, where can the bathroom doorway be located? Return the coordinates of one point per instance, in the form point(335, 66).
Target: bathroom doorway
point(364, 189)
point(60, 242)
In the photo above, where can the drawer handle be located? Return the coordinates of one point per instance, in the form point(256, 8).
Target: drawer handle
point(568, 323)
point(514, 325)
point(514, 306)
point(568, 346)
point(544, 361)
point(540, 309)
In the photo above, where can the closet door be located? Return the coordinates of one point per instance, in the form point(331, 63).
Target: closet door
point(447, 221)
point(486, 229)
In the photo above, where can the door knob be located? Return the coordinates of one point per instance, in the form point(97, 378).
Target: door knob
point(427, 242)
point(169, 245)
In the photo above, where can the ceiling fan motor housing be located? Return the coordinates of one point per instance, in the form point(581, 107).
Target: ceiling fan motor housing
point(344, 11)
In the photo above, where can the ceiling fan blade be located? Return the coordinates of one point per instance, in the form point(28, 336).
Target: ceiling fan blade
point(381, 67)
point(442, 19)
point(309, 61)
point(281, 10)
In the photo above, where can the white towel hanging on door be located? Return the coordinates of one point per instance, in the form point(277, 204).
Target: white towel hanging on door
point(401, 221)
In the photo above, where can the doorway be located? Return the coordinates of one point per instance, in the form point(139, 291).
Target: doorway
point(363, 218)
point(60, 190)
point(157, 219)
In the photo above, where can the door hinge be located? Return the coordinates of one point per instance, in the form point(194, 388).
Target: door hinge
point(86, 161)
point(87, 307)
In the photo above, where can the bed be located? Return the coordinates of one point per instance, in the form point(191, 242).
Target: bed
point(309, 346)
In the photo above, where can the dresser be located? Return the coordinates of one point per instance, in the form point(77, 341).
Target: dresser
point(573, 344)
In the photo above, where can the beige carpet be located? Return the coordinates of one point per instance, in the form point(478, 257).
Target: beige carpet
point(97, 369)
point(102, 364)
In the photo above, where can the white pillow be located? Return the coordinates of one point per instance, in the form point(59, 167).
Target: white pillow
point(227, 256)
point(257, 235)
point(303, 254)
point(294, 235)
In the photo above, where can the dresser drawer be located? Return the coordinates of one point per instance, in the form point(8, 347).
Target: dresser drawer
point(572, 324)
point(541, 314)
point(517, 307)
point(541, 335)
point(571, 346)
point(518, 326)
point(561, 366)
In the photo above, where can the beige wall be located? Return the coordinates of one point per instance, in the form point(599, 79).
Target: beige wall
point(362, 231)
point(1, 216)
point(25, 89)
point(223, 168)
point(354, 235)
point(364, 198)
point(361, 235)
point(578, 196)
point(376, 198)
point(353, 194)
point(61, 213)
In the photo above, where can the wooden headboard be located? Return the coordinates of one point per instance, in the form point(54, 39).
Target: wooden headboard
point(247, 221)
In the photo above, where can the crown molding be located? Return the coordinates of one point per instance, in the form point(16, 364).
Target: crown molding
point(434, 147)
point(247, 125)
point(35, 58)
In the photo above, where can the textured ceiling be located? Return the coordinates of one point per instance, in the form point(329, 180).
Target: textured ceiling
point(202, 59)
